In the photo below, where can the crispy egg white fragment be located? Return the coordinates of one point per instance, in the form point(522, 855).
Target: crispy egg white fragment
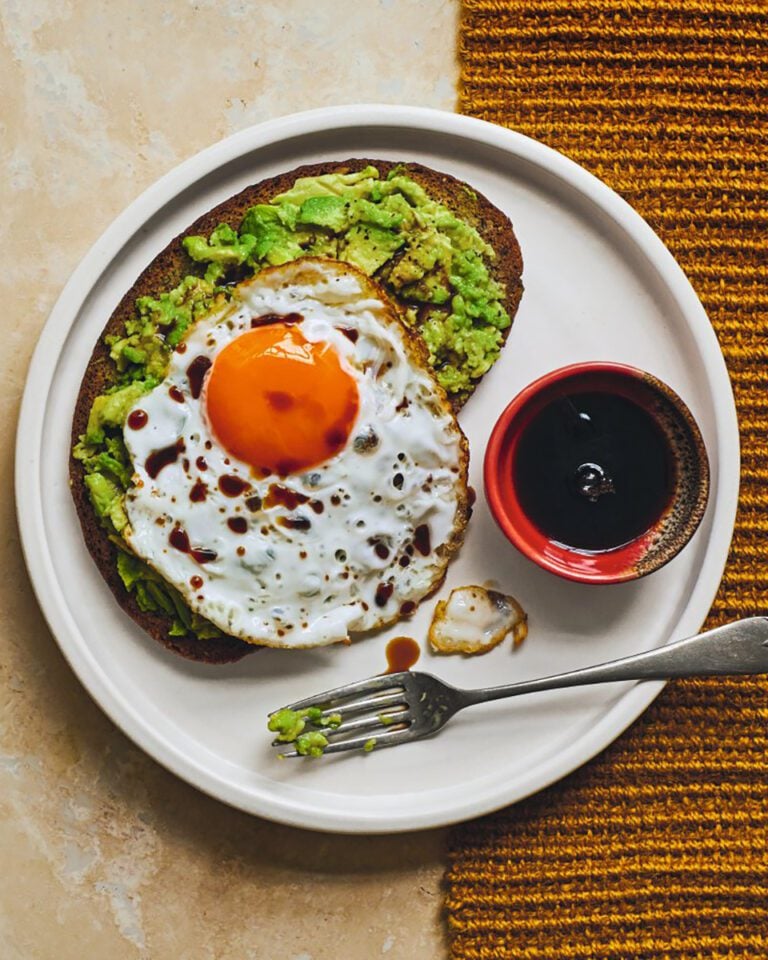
point(357, 540)
point(475, 620)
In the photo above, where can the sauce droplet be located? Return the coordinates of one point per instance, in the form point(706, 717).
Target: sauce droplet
point(379, 548)
point(199, 492)
point(279, 399)
point(137, 419)
point(295, 523)
point(196, 372)
point(421, 540)
point(383, 593)
point(237, 524)
point(284, 467)
point(402, 653)
point(232, 486)
point(179, 540)
point(203, 554)
point(335, 437)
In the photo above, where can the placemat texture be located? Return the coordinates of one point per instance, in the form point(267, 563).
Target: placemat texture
point(658, 848)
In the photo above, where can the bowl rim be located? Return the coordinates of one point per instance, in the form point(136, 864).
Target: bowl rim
point(617, 565)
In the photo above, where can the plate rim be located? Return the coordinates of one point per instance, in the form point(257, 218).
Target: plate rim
point(66, 309)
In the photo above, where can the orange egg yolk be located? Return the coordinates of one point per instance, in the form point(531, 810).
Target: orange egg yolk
point(280, 402)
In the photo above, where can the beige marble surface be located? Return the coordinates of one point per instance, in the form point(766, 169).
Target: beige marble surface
point(104, 854)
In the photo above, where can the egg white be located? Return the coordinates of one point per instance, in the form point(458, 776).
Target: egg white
point(306, 587)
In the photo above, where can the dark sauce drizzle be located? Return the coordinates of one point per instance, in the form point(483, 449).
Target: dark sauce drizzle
point(179, 540)
point(196, 372)
point(163, 457)
point(268, 318)
point(280, 496)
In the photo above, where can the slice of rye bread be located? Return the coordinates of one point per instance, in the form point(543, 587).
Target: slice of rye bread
point(167, 270)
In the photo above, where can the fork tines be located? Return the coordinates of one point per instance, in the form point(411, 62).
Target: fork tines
point(373, 713)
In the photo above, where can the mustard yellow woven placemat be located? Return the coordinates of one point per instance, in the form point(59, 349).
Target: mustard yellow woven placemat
point(659, 847)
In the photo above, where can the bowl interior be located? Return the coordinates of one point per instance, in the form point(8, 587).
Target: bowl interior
point(687, 463)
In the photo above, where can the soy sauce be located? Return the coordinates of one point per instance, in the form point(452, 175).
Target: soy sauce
point(592, 471)
point(402, 653)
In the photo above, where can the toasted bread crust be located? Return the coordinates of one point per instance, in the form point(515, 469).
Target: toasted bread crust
point(169, 267)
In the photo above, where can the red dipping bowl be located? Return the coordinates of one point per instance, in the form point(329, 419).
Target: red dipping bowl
point(687, 458)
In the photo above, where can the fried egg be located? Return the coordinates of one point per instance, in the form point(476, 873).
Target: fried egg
point(298, 474)
point(475, 620)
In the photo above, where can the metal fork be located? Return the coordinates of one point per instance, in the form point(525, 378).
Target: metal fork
point(387, 710)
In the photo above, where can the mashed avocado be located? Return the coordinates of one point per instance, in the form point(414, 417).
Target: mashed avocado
point(290, 727)
point(431, 260)
point(391, 229)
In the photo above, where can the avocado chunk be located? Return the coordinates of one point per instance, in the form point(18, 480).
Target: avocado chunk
point(273, 241)
point(369, 247)
point(111, 409)
point(388, 214)
point(430, 289)
point(287, 724)
point(357, 184)
point(108, 457)
point(291, 727)
point(326, 211)
point(106, 498)
point(311, 744)
point(154, 595)
point(426, 249)
point(224, 246)
point(167, 316)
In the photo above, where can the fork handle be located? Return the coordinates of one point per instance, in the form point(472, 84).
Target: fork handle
point(740, 647)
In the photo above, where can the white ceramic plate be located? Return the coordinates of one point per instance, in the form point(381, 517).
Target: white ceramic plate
point(598, 285)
